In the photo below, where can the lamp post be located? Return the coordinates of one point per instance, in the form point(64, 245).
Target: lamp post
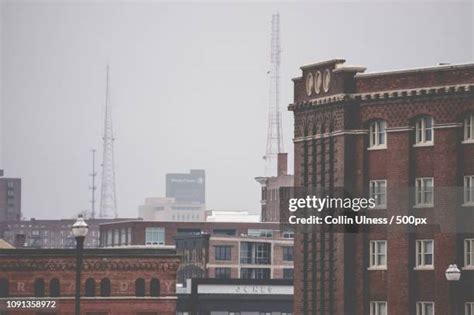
point(79, 230)
point(453, 274)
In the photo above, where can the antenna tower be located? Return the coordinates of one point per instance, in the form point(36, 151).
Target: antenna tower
point(108, 200)
point(93, 187)
point(275, 133)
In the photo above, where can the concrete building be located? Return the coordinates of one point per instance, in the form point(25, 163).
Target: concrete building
point(49, 233)
point(114, 281)
point(270, 186)
point(10, 199)
point(231, 216)
point(168, 209)
point(406, 139)
point(262, 256)
point(185, 199)
point(236, 296)
point(156, 233)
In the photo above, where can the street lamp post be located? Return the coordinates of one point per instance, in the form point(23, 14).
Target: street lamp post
point(79, 230)
point(453, 274)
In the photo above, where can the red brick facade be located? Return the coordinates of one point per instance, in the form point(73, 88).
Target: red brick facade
point(331, 150)
point(30, 275)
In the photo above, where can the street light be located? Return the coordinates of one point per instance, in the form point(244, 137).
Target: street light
point(79, 230)
point(453, 274)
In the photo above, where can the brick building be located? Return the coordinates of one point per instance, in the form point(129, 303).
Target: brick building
point(267, 256)
point(406, 139)
point(114, 281)
point(10, 199)
point(49, 233)
point(152, 233)
point(270, 195)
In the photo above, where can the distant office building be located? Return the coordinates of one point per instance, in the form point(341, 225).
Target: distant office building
point(270, 196)
point(231, 216)
point(187, 187)
point(49, 233)
point(185, 199)
point(258, 254)
point(236, 297)
point(10, 199)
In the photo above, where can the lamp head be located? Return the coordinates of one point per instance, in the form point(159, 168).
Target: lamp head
point(80, 227)
point(453, 273)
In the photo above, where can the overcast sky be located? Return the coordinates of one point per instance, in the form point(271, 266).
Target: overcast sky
point(188, 83)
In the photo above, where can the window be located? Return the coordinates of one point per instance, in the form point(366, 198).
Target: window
point(378, 308)
point(469, 128)
point(223, 252)
point(255, 253)
point(109, 238)
point(288, 273)
point(233, 313)
point(255, 273)
point(260, 233)
point(123, 236)
point(469, 189)
point(424, 253)
point(231, 232)
point(469, 308)
point(424, 130)
point(424, 191)
point(129, 236)
point(154, 236)
point(469, 253)
point(154, 287)
point(378, 254)
point(289, 234)
point(116, 236)
point(265, 313)
point(288, 253)
point(378, 134)
point(39, 287)
point(425, 308)
point(105, 287)
point(378, 192)
point(3, 287)
point(54, 287)
point(140, 287)
point(90, 287)
point(222, 273)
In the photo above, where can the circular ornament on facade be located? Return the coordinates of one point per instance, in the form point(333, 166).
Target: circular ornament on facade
point(309, 84)
point(327, 80)
point(317, 82)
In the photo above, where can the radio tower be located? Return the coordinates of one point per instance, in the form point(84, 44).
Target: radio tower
point(275, 133)
point(108, 201)
point(93, 187)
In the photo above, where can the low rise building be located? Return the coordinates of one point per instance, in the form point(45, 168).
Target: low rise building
point(262, 256)
point(114, 281)
point(168, 209)
point(236, 297)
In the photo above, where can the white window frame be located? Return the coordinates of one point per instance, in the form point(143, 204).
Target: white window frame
point(421, 191)
point(468, 190)
point(469, 308)
point(378, 135)
point(151, 232)
point(378, 191)
point(469, 253)
point(469, 129)
point(421, 255)
point(421, 130)
point(375, 307)
point(376, 255)
point(421, 308)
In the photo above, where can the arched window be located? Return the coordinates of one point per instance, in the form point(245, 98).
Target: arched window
point(105, 287)
point(39, 287)
point(90, 287)
point(424, 130)
point(3, 287)
point(154, 287)
point(54, 287)
point(378, 134)
point(140, 287)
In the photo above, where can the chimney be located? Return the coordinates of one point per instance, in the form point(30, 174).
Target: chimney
point(282, 164)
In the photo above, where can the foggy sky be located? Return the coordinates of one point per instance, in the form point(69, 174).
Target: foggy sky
point(188, 83)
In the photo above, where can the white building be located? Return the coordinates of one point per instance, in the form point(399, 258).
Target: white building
point(168, 209)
